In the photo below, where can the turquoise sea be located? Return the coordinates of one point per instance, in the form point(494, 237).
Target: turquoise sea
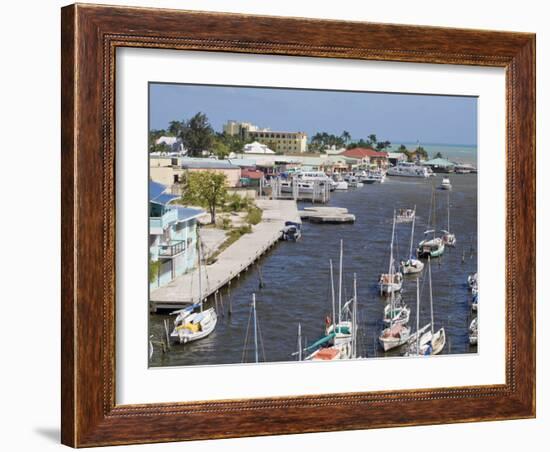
point(455, 152)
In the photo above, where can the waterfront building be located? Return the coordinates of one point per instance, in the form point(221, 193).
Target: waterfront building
point(440, 165)
point(172, 236)
point(368, 157)
point(171, 171)
point(278, 141)
point(396, 157)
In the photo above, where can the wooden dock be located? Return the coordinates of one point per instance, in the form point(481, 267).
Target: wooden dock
point(332, 215)
point(231, 262)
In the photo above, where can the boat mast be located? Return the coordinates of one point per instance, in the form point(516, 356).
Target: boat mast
point(200, 273)
point(299, 342)
point(255, 328)
point(390, 270)
point(340, 282)
point(354, 317)
point(449, 212)
point(435, 208)
point(412, 233)
point(417, 317)
point(431, 295)
point(333, 298)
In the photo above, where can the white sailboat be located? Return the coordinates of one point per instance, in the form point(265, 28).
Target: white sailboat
point(396, 334)
point(472, 336)
point(449, 239)
point(433, 247)
point(415, 342)
point(431, 342)
point(194, 323)
point(411, 265)
point(392, 281)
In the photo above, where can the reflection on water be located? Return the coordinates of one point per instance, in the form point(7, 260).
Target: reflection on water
point(297, 285)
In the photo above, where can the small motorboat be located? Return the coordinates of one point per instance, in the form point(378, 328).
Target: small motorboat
point(292, 231)
point(446, 184)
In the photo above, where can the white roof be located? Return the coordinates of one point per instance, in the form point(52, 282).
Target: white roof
point(257, 148)
point(167, 140)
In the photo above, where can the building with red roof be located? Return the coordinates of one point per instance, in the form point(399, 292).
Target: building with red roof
point(368, 156)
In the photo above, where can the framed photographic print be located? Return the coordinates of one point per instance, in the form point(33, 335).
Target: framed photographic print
point(268, 219)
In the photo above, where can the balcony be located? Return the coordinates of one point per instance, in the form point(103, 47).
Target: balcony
point(157, 225)
point(172, 249)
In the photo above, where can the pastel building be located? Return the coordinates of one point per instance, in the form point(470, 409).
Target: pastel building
point(279, 141)
point(172, 236)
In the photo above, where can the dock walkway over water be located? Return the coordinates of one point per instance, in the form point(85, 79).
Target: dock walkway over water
point(232, 261)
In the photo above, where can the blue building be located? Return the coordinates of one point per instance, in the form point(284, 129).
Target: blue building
point(172, 236)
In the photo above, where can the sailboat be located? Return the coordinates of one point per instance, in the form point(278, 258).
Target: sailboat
point(396, 314)
point(193, 322)
point(392, 281)
point(411, 265)
point(431, 342)
point(472, 336)
point(433, 247)
point(415, 342)
point(340, 339)
point(396, 334)
point(449, 239)
point(255, 332)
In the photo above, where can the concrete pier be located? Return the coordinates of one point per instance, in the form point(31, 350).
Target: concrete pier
point(327, 215)
point(231, 262)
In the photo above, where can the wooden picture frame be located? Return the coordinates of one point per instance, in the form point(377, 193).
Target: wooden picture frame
point(90, 37)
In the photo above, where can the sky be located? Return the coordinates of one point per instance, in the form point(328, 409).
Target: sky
point(399, 118)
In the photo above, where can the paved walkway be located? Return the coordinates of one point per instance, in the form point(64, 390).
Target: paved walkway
point(232, 261)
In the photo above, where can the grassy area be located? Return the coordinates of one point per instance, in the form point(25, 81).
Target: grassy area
point(254, 215)
point(232, 236)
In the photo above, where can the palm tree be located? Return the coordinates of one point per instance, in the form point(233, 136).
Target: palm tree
point(345, 136)
point(372, 139)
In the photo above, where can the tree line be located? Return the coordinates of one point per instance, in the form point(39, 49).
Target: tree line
point(197, 135)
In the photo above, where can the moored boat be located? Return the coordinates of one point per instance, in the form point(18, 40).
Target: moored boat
point(392, 281)
point(408, 169)
point(472, 336)
point(446, 184)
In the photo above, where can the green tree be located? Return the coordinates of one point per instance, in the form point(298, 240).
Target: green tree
point(438, 155)
point(402, 148)
point(197, 134)
point(207, 189)
point(175, 128)
point(346, 136)
point(220, 149)
point(383, 145)
point(372, 139)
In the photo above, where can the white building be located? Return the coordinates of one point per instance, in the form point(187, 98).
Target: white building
point(257, 148)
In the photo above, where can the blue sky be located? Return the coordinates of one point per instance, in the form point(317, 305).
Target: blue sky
point(400, 118)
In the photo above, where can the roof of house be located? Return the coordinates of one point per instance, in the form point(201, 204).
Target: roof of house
point(361, 153)
point(396, 155)
point(252, 174)
point(158, 195)
point(438, 162)
point(189, 213)
point(242, 162)
point(207, 164)
point(257, 148)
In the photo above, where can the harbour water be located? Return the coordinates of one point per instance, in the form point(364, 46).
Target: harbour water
point(297, 286)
